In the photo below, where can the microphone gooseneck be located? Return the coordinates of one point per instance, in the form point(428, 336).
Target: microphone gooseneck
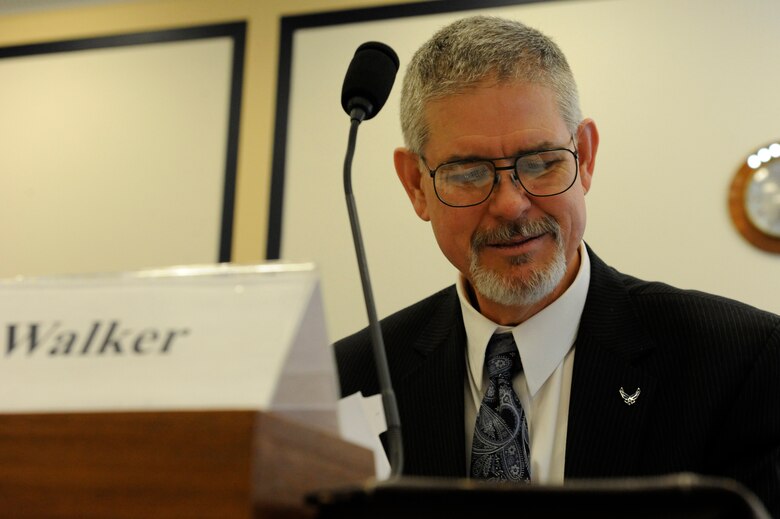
point(367, 85)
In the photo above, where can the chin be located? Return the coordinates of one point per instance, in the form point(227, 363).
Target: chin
point(528, 288)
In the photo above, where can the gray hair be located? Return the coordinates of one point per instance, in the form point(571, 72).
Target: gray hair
point(472, 49)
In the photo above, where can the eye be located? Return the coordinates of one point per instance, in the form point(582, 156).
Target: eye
point(468, 173)
point(541, 163)
point(532, 165)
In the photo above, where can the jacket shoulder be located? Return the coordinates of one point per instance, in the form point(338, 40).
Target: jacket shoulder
point(405, 321)
point(679, 314)
point(401, 331)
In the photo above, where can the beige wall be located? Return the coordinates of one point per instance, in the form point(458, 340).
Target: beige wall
point(677, 116)
point(259, 101)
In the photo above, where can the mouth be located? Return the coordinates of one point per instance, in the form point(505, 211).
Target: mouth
point(517, 241)
point(517, 238)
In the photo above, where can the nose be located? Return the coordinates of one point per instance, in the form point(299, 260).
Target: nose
point(508, 200)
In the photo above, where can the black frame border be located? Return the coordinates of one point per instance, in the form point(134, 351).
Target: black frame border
point(234, 30)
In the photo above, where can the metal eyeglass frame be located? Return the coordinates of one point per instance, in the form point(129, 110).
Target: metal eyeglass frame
point(497, 169)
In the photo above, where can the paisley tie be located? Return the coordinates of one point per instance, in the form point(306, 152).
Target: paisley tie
point(500, 449)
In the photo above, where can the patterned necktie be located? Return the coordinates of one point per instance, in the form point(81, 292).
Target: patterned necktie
point(500, 448)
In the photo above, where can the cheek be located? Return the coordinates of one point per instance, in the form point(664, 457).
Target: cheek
point(453, 234)
point(574, 222)
point(427, 203)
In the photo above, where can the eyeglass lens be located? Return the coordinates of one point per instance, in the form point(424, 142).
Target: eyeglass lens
point(467, 183)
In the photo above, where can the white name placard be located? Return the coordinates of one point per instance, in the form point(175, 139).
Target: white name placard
point(193, 337)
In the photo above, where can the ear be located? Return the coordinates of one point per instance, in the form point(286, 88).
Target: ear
point(587, 146)
point(408, 170)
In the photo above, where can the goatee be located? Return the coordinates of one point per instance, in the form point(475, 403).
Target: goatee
point(518, 291)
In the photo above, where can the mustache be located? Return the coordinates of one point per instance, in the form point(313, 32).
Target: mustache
point(518, 228)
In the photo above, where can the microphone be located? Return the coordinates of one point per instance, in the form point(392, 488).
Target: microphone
point(369, 79)
point(367, 85)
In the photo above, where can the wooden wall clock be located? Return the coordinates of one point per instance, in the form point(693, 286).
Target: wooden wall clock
point(754, 198)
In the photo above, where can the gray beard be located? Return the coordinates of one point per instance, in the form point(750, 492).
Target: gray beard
point(510, 291)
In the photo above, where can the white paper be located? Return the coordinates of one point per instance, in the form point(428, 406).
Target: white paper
point(361, 421)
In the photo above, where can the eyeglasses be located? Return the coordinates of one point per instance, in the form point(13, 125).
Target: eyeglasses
point(465, 183)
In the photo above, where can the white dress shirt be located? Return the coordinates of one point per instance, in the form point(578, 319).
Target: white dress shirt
point(546, 346)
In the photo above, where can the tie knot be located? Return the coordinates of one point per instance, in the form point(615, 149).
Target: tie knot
point(501, 356)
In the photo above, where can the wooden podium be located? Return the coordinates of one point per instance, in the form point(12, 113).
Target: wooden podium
point(199, 464)
point(248, 464)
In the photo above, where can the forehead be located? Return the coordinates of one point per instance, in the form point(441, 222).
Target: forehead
point(493, 119)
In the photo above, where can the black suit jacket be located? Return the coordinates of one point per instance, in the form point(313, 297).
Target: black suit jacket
point(708, 369)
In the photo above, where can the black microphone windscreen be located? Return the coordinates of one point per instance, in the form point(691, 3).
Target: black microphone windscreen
point(369, 78)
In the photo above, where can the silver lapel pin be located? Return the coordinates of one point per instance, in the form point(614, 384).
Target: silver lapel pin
point(629, 399)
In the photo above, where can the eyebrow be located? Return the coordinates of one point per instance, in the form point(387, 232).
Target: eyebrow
point(542, 146)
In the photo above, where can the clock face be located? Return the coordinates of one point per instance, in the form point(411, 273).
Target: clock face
point(762, 198)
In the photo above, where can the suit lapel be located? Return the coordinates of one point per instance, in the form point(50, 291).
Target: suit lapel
point(605, 430)
point(430, 393)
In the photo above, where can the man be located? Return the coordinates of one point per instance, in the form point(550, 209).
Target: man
point(620, 377)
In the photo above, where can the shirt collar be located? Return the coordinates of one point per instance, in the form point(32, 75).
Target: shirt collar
point(542, 341)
